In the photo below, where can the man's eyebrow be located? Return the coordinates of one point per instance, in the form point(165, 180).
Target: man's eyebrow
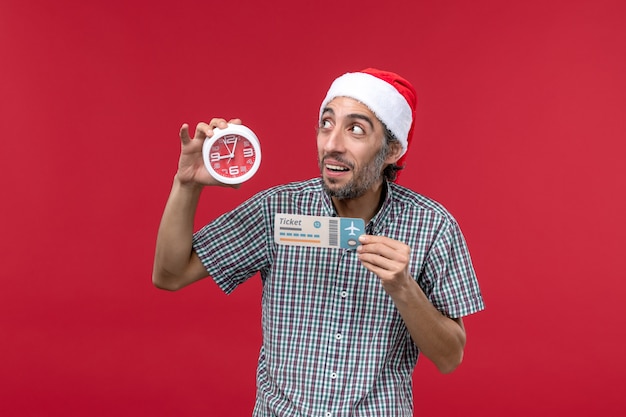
point(361, 117)
point(351, 116)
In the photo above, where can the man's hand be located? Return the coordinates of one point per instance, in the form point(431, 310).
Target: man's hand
point(191, 169)
point(388, 259)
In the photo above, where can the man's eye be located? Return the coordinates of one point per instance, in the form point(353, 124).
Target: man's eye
point(357, 129)
point(325, 124)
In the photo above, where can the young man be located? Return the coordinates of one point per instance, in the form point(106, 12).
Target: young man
point(342, 329)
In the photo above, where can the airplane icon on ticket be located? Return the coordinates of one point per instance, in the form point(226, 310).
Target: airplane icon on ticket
point(352, 228)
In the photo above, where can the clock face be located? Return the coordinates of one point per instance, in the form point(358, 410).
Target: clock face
point(233, 156)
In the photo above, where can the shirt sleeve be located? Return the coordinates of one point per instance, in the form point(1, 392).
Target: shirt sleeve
point(455, 291)
point(233, 247)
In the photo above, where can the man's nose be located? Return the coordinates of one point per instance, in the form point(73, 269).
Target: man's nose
point(335, 142)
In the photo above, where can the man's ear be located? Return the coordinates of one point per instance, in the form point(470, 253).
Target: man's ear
point(395, 153)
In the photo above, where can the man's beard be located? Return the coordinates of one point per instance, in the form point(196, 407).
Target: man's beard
point(362, 180)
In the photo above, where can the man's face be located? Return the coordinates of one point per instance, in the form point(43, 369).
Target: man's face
point(350, 149)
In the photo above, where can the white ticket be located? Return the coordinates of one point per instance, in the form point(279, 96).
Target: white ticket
point(318, 231)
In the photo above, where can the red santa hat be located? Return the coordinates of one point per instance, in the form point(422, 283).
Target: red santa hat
point(389, 96)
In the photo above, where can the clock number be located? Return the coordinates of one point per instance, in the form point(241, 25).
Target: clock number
point(215, 156)
point(248, 152)
point(234, 170)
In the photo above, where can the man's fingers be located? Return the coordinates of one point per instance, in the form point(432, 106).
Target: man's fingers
point(377, 260)
point(200, 133)
point(383, 255)
point(184, 134)
point(398, 254)
point(377, 249)
point(204, 130)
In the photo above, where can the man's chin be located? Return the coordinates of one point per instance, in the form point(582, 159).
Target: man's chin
point(331, 187)
point(336, 190)
point(334, 184)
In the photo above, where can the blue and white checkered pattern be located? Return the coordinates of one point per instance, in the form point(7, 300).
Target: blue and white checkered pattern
point(333, 342)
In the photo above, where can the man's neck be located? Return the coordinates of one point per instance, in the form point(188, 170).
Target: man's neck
point(364, 207)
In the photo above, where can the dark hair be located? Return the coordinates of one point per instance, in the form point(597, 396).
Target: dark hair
point(390, 173)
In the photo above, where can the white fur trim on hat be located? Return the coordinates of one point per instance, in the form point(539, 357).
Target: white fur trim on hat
point(382, 98)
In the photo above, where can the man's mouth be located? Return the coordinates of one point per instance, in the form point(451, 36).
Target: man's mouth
point(336, 165)
point(336, 168)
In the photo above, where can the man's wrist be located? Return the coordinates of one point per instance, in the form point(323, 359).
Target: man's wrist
point(187, 185)
point(407, 294)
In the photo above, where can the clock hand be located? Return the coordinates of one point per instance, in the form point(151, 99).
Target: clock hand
point(226, 145)
point(232, 154)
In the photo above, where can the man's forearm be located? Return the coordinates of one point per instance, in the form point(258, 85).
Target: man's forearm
point(174, 240)
point(438, 337)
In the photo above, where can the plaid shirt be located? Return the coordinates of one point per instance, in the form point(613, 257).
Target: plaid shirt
point(334, 344)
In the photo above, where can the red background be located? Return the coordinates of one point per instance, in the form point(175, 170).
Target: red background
point(520, 134)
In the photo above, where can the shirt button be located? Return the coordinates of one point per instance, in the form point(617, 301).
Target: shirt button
point(328, 414)
point(338, 336)
point(333, 375)
point(344, 294)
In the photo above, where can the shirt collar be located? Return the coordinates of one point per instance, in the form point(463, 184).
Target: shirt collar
point(384, 214)
point(327, 205)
